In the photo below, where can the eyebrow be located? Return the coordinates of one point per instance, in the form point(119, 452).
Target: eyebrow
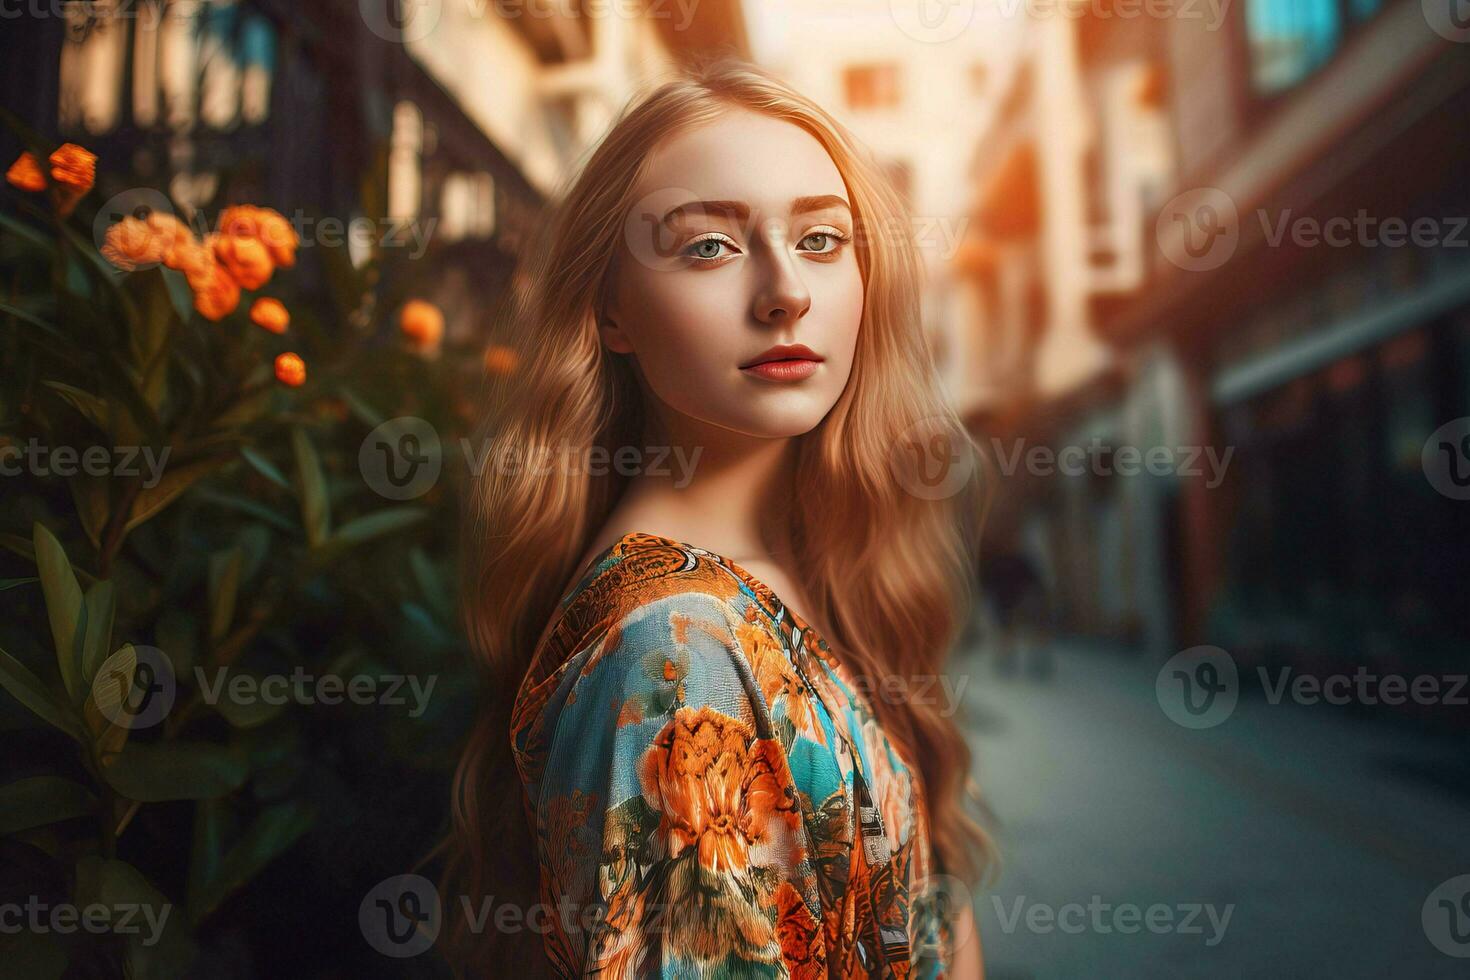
point(739, 210)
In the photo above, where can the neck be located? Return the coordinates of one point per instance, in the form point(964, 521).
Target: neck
point(725, 491)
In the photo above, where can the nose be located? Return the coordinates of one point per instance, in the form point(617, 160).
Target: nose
point(783, 297)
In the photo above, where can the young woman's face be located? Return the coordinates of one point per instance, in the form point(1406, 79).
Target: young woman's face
point(741, 241)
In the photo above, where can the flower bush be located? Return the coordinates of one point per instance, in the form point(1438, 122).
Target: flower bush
point(256, 549)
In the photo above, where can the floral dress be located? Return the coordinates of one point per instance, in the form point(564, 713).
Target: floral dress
point(709, 795)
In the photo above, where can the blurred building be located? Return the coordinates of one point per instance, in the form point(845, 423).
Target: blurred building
point(444, 125)
point(1224, 201)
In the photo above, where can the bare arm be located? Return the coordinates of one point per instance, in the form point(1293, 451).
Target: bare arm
point(967, 962)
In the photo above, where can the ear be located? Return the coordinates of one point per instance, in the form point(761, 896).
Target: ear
point(613, 337)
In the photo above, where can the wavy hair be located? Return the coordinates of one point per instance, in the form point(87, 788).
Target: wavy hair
point(890, 570)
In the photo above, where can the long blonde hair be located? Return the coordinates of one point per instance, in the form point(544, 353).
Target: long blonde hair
point(889, 571)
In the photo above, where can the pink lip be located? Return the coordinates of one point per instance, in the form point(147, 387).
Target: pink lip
point(796, 369)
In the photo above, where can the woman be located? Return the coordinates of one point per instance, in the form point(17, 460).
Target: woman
point(711, 592)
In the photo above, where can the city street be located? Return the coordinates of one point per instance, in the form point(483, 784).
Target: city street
point(1289, 841)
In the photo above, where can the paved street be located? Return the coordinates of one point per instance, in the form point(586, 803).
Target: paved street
point(1289, 841)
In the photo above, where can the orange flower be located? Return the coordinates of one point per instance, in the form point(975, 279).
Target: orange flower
point(73, 171)
point(173, 233)
point(216, 293)
point(290, 369)
point(500, 359)
point(191, 258)
point(131, 244)
point(270, 314)
point(246, 259)
point(26, 174)
point(720, 791)
point(423, 324)
point(267, 226)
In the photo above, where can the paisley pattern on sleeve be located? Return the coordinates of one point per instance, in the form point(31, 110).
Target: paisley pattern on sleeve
point(709, 795)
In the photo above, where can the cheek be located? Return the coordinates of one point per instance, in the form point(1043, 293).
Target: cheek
point(687, 328)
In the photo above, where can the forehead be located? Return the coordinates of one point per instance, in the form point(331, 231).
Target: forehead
point(744, 156)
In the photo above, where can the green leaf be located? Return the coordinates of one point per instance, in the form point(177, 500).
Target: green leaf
point(63, 606)
point(224, 587)
point(268, 837)
point(369, 415)
point(101, 605)
point(179, 293)
point(312, 486)
point(104, 712)
point(377, 524)
point(27, 688)
point(245, 714)
point(42, 800)
point(159, 771)
point(206, 848)
point(248, 506)
point(265, 467)
point(92, 407)
point(93, 504)
point(10, 583)
point(151, 500)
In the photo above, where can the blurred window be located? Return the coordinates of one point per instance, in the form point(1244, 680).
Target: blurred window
point(1291, 39)
point(405, 166)
point(209, 61)
point(871, 86)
